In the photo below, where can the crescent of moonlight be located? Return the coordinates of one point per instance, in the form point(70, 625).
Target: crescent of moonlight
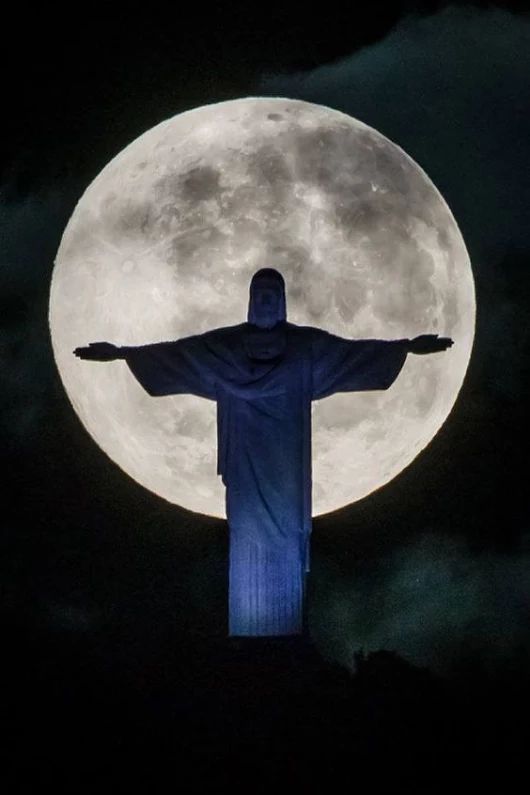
point(163, 244)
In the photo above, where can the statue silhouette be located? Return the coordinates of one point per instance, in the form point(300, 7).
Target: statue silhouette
point(263, 374)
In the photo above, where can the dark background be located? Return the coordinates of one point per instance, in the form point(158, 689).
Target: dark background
point(118, 671)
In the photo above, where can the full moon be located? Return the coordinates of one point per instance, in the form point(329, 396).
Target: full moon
point(163, 244)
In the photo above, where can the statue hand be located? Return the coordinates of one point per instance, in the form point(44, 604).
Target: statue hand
point(99, 352)
point(429, 343)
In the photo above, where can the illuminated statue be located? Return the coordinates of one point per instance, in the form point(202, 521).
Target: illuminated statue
point(263, 374)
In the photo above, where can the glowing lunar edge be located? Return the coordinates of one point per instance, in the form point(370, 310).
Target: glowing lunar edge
point(163, 244)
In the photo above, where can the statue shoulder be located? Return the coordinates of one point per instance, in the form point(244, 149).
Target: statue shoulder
point(300, 331)
point(304, 333)
point(225, 333)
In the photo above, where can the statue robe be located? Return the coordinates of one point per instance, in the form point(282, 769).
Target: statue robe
point(264, 446)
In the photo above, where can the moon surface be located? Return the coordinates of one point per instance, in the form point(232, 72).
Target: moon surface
point(163, 244)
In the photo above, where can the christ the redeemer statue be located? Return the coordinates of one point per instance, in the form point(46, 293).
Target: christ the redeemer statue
point(263, 374)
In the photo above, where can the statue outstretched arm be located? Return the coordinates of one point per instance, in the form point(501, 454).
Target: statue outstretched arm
point(349, 365)
point(183, 366)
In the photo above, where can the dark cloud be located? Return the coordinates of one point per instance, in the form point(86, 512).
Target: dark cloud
point(435, 602)
point(30, 229)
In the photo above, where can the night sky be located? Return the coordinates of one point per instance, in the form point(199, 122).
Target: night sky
point(114, 601)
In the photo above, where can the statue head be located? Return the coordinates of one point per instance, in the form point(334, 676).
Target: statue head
point(266, 305)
